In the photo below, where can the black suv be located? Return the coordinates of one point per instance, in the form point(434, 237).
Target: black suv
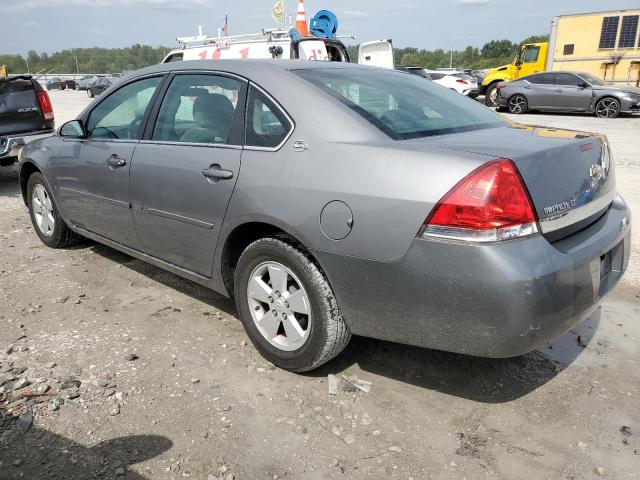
point(26, 113)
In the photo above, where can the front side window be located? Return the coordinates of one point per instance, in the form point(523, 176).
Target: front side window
point(118, 117)
point(267, 126)
point(200, 109)
point(402, 106)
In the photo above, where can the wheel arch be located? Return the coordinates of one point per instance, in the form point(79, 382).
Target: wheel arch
point(27, 169)
point(243, 235)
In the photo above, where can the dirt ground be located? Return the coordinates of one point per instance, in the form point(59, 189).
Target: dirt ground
point(131, 372)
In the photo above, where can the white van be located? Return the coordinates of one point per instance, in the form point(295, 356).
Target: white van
point(275, 43)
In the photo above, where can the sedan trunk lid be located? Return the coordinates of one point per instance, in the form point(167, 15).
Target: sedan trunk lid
point(569, 174)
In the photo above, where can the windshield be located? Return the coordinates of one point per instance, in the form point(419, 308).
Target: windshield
point(593, 80)
point(402, 105)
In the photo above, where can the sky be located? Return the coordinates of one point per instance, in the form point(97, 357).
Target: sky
point(51, 25)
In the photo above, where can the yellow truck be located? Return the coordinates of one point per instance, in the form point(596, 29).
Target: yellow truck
point(605, 44)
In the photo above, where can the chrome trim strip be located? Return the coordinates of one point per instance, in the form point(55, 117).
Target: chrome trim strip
point(179, 218)
point(557, 222)
point(515, 232)
point(284, 112)
point(112, 201)
point(190, 144)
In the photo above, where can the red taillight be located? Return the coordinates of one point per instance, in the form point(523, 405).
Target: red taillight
point(489, 204)
point(461, 80)
point(45, 106)
point(500, 87)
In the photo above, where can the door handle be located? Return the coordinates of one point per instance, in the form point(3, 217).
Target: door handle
point(558, 91)
point(215, 173)
point(527, 88)
point(114, 161)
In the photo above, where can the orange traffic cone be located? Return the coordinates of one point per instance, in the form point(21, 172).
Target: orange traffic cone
point(301, 20)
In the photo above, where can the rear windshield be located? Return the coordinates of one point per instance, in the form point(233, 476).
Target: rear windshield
point(402, 106)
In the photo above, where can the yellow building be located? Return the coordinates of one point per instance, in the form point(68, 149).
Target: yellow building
point(605, 44)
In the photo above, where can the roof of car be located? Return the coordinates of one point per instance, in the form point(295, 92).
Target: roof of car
point(246, 66)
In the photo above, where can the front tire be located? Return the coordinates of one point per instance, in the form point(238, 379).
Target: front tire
point(46, 219)
point(287, 306)
point(608, 108)
point(518, 104)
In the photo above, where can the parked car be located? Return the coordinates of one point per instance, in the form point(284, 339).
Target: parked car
point(99, 86)
point(419, 71)
point(392, 209)
point(462, 83)
point(59, 84)
point(85, 81)
point(26, 113)
point(568, 92)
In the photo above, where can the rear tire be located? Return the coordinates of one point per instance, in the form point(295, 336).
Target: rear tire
point(490, 95)
point(518, 104)
point(89, 93)
point(608, 107)
point(52, 231)
point(325, 332)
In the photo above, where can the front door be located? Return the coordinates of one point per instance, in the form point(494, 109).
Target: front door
point(527, 63)
point(185, 169)
point(569, 94)
point(93, 172)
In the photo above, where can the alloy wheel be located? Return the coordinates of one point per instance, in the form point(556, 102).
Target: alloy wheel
point(517, 104)
point(43, 210)
point(607, 108)
point(279, 306)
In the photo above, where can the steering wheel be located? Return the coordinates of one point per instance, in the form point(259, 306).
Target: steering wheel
point(134, 126)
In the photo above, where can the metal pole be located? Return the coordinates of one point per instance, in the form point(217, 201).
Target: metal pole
point(27, 62)
point(77, 67)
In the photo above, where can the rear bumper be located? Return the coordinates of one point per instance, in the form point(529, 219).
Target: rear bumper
point(473, 93)
point(499, 300)
point(10, 145)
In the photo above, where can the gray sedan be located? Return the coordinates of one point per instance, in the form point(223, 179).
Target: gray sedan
point(568, 92)
point(334, 199)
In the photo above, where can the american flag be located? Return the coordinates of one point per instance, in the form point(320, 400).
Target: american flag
point(225, 26)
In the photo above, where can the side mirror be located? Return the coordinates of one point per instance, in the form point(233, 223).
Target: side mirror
point(583, 84)
point(73, 129)
point(518, 63)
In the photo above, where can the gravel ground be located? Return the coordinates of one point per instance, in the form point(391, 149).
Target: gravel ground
point(111, 368)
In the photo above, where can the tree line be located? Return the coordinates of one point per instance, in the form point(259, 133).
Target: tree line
point(115, 60)
point(86, 60)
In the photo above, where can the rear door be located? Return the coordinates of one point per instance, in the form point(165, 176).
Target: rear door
point(569, 95)
point(93, 172)
point(540, 90)
point(185, 169)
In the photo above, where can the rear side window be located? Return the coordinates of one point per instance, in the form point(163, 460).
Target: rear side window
point(267, 126)
point(568, 79)
point(531, 55)
point(200, 109)
point(402, 106)
point(542, 79)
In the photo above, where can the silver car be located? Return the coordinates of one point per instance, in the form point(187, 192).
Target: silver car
point(336, 199)
point(568, 92)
